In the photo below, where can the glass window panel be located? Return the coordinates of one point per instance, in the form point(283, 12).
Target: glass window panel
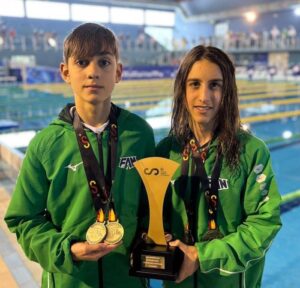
point(89, 13)
point(164, 36)
point(127, 16)
point(47, 10)
point(159, 18)
point(12, 8)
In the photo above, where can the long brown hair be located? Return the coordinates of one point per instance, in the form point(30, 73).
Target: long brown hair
point(228, 120)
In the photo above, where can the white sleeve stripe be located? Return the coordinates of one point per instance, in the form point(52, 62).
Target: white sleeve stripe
point(236, 272)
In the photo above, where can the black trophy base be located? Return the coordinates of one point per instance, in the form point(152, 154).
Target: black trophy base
point(156, 261)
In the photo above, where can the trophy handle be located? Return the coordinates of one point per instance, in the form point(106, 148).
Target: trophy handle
point(156, 173)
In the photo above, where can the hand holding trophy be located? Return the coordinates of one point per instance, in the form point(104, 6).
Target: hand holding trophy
point(153, 257)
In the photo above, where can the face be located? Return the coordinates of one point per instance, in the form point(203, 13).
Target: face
point(92, 79)
point(204, 93)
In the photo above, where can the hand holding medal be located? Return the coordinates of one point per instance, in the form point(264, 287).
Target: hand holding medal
point(91, 252)
point(96, 247)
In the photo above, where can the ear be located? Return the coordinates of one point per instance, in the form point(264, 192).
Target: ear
point(119, 72)
point(64, 72)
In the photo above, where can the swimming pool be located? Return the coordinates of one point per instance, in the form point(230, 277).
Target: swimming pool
point(35, 109)
point(283, 259)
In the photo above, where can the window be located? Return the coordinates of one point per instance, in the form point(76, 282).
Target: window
point(89, 13)
point(159, 18)
point(162, 35)
point(12, 8)
point(127, 16)
point(47, 10)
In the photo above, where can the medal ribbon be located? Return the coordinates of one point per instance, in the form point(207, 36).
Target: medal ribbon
point(198, 177)
point(189, 205)
point(99, 185)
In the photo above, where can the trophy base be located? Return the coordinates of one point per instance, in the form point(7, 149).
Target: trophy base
point(156, 261)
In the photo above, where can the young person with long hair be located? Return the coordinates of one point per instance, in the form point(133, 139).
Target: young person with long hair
point(225, 204)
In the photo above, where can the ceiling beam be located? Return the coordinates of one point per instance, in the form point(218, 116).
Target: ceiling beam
point(165, 4)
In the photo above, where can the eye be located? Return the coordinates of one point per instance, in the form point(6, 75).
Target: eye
point(104, 63)
point(194, 84)
point(82, 62)
point(215, 85)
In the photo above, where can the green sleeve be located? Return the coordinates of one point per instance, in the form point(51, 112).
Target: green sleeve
point(261, 206)
point(27, 217)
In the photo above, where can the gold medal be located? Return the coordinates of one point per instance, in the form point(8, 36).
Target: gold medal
point(97, 232)
point(115, 232)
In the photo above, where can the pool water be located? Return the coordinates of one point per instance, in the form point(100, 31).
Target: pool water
point(34, 110)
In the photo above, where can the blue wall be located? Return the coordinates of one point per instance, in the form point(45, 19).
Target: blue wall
point(191, 30)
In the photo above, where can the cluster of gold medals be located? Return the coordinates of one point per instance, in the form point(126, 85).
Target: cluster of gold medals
point(110, 231)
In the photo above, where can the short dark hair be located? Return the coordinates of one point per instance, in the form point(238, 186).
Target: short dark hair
point(90, 39)
point(228, 119)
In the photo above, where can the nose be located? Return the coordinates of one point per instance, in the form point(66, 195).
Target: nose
point(93, 71)
point(93, 76)
point(204, 93)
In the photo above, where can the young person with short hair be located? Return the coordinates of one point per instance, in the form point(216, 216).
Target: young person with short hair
point(77, 181)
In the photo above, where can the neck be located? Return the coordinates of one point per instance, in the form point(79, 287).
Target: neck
point(94, 115)
point(202, 135)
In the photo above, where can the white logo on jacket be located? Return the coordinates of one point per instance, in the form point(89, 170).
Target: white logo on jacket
point(223, 183)
point(261, 178)
point(127, 162)
point(258, 168)
point(73, 167)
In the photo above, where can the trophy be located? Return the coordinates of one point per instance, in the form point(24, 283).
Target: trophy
point(152, 257)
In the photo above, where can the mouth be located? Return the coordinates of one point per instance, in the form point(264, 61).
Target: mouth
point(93, 86)
point(203, 108)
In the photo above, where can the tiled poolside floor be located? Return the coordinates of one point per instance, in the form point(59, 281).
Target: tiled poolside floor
point(15, 270)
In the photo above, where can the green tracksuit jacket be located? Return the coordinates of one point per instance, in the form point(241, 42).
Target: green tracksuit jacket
point(248, 216)
point(52, 179)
